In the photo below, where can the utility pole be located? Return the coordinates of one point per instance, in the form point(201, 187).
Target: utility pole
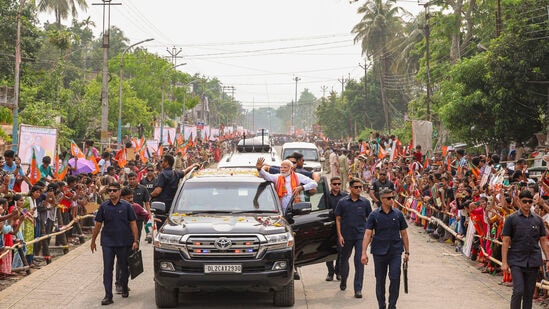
point(324, 88)
point(343, 81)
point(174, 54)
point(296, 79)
point(15, 129)
point(427, 61)
point(105, 79)
point(365, 67)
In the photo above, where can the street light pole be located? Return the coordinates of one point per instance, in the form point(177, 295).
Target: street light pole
point(162, 105)
point(121, 77)
point(296, 80)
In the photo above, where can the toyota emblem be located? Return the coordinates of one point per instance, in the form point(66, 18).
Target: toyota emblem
point(223, 243)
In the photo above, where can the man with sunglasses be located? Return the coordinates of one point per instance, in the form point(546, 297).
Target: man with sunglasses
point(351, 214)
point(381, 183)
point(335, 195)
point(523, 232)
point(116, 220)
point(389, 240)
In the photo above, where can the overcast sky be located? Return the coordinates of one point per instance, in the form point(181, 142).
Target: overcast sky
point(256, 46)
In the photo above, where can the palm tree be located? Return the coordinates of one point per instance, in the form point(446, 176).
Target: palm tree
point(61, 8)
point(379, 27)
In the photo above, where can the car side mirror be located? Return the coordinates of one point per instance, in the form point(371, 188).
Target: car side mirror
point(158, 207)
point(301, 208)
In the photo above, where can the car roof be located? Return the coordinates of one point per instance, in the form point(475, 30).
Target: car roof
point(299, 145)
point(247, 160)
point(226, 175)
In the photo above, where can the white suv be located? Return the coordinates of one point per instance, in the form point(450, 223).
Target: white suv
point(313, 160)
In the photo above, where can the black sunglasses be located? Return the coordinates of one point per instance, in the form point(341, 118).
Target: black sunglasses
point(357, 187)
point(112, 190)
point(527, 201)
point(336, 184)
point(388, 197)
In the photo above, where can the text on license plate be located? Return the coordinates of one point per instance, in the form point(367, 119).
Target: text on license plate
point(226, 268)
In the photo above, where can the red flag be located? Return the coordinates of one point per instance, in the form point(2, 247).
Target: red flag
point(170, 139)
point(35, 174)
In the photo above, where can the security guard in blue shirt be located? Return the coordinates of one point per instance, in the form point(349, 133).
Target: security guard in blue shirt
point(351, 214)
point(388, 242)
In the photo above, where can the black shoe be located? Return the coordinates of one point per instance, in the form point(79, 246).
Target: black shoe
point(342, 286)
point(297, 276)
point(106, 301)
point(330, 278)
point(358, 294)
point(125, 293)
point(118, 289)
point(338, 277)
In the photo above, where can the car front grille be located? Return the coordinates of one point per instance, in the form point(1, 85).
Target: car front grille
point(203, 247)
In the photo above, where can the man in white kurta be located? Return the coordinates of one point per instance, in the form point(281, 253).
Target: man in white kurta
point(303, 182)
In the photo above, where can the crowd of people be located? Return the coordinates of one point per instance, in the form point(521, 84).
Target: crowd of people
point(58, 200)
point(470, 196)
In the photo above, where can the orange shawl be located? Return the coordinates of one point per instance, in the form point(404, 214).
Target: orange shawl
point(280, 185)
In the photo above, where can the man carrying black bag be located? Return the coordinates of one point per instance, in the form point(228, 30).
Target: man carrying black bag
point(118, 236)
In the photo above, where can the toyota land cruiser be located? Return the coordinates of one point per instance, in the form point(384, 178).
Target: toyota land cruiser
point(226, 230)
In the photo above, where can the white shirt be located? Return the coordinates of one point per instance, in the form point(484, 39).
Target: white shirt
point(305, 181)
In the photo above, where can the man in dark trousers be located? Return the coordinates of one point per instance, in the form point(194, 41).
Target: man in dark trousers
point(333, 199)
point(351, 214)
point(118, 236)
point(521, 253)
point(389, 240)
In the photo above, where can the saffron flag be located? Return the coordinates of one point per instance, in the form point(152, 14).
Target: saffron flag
point(91, 158)
point(475, 170)
point(444, 151)
point(382, 153)
point(170, 139)
point(121, 157)
point(63, 168)
point(35, 174)
point(76, 152)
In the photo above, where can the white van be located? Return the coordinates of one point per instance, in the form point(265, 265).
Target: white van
point(313, 160)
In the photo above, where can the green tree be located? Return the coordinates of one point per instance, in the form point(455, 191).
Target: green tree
point(379, 27)
point(61, 8)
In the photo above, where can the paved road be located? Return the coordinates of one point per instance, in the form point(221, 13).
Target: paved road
point(439, 278)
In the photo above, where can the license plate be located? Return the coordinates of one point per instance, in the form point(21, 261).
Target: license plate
point(226, 268)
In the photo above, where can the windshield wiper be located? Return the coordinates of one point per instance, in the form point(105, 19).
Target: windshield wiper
point(253, 211)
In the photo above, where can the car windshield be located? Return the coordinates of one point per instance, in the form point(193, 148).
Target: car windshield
point(308, 154)
point(226, 197)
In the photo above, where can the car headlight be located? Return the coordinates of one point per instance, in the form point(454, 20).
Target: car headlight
point(317, 169)
point(279, 241)
point(168, 242)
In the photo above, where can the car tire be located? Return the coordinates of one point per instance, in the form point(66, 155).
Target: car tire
point(285, 297)
point(165, 298)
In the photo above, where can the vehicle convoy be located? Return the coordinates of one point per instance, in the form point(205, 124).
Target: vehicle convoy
point(313, 160)
point(226, 230)
point(247, 151)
